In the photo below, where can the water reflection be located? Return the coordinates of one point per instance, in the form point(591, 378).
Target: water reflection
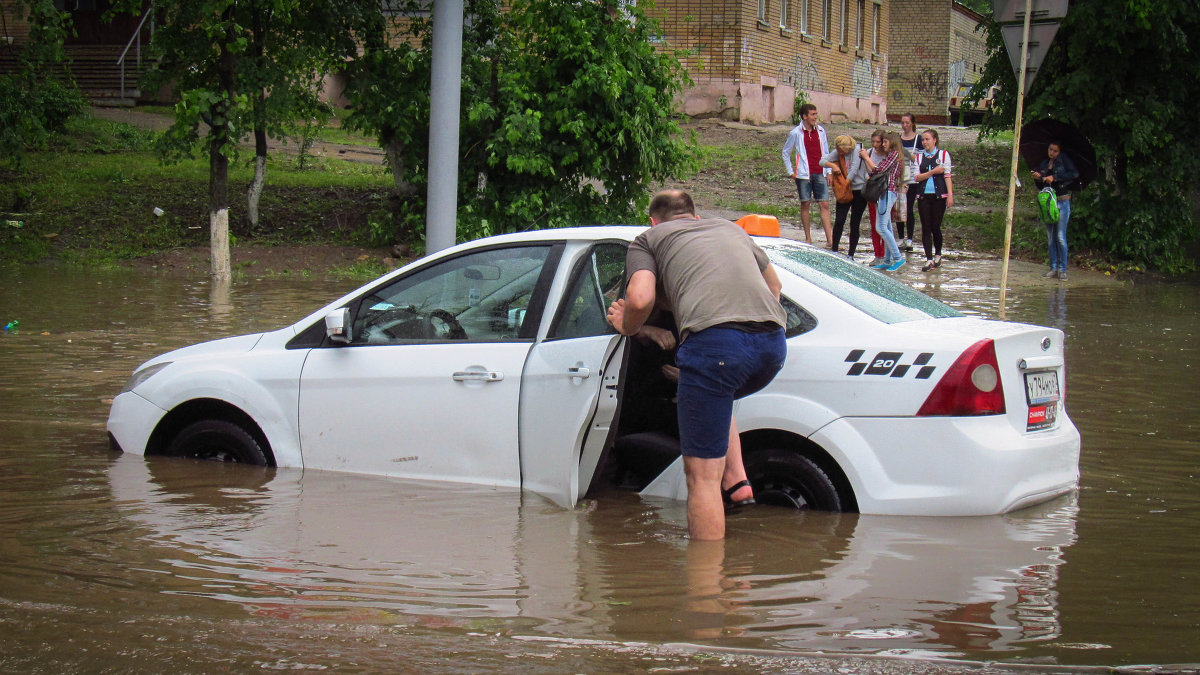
point(289, 544)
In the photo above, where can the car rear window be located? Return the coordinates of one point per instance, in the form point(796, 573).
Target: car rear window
point(879, 296)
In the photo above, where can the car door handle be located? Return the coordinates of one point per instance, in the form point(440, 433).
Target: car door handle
point(579, 371)
point(477, 376)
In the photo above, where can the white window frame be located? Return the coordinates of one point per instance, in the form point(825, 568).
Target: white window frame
point(845, 20)
point(827, 20)
point(783, 14)
point(762, 11)
point(876, 12)
point(862, 10)
point(804, 17)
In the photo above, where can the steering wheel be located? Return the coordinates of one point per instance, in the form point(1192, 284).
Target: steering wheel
point(443, 326)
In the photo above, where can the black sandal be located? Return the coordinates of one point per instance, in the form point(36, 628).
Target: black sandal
point(727, 496)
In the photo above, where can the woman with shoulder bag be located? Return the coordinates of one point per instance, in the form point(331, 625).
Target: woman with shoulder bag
point(935, 193)
point(845, 164)
point(892, 166)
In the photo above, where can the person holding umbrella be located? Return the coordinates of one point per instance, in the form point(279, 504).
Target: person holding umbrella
point(1058, 172)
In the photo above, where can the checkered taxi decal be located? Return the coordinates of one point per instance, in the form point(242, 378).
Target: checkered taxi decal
point(889, 363)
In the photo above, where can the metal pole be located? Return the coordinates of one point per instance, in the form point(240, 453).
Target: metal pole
point(1012, 178)
point(445, 99)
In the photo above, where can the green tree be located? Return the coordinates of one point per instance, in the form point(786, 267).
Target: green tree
point(242, 67)
point(568, 113)
point(1124, 73)
point(39, 97)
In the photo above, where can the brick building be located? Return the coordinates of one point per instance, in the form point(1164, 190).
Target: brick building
point(936, 55)
point(748, 58)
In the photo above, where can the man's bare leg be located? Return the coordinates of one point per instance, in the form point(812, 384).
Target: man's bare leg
point(825, 223)
point(805, 218)
point(706, 512)
point(735, 470)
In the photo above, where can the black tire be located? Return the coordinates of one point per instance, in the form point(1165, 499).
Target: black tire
point(218, 441)
point(789, 479)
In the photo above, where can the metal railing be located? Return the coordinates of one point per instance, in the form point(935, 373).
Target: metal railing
point(136, 42)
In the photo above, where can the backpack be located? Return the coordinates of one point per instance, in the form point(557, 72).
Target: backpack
point(1047, 203)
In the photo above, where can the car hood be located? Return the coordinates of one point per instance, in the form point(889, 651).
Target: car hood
point(229, 345)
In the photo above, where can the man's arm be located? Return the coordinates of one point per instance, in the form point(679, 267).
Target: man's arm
point(787, 153)
point(629, 313)
point(772, 280)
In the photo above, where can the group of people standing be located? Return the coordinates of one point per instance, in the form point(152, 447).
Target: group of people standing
point(920, 176)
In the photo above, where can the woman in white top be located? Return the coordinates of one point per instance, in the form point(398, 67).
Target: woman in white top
point(911, 140)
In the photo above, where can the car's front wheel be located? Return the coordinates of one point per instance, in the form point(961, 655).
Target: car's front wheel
point(784, 478)
point(219, 441)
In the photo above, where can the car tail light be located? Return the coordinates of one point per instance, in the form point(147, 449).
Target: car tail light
point(971, 387)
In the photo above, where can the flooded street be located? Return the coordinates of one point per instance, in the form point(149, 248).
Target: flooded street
point(109, 562)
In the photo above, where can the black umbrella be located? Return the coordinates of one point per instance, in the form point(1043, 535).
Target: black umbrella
point(1037, 136)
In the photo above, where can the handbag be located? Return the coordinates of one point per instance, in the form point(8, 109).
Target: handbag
point(841, 184)
point(876, 186)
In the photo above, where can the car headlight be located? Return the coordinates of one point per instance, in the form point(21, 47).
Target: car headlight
point(142, 375)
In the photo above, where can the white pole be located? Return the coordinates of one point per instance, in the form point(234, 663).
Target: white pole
point(445, 99)
point(1012, 178)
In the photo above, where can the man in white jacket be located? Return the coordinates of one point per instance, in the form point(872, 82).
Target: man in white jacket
point(806, 145)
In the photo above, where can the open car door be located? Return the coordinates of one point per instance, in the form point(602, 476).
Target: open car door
point(570, 385)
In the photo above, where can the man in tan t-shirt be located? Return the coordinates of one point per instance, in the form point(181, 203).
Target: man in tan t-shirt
point(725, 297)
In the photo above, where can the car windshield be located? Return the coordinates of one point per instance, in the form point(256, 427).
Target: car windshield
point(873, 293)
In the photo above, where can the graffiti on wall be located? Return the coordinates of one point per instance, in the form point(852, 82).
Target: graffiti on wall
point(865, 80)
point(802, 75)
point(924, 86)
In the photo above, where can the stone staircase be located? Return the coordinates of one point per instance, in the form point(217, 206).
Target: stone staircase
point(97, 72)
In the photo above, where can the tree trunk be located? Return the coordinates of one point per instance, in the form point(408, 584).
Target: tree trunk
point(394, 151)
point(260, 179)
point(218, 214)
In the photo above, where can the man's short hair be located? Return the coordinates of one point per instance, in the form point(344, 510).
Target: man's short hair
point(807, 108)
point(671, 204)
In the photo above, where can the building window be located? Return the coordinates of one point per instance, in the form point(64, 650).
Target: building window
point(762, 11)
point(875, 28)
point(827, 19)
point(804, 16)
point(845, 20)
point(862, 10)
point(783, 14)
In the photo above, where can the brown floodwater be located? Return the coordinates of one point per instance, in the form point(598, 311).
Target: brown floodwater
point(112, 563)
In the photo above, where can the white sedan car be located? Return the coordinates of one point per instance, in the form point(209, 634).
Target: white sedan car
point(491, 362)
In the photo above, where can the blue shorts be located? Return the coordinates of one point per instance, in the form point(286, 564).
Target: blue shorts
point(815, 187)
point(716, 366)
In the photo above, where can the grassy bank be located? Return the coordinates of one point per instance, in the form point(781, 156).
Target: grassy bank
point(92, 198)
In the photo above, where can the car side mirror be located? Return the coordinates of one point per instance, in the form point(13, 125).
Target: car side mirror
point(337, 325)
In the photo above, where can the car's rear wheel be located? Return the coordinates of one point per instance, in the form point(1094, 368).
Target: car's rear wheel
point(784, 478)
point(218, 441)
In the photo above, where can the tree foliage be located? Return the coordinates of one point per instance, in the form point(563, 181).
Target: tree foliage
point(39, 97)
point(568, 113)
point(1123, 73)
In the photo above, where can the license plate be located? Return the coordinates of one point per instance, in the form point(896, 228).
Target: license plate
point(1042, 392)
point(1041, 387)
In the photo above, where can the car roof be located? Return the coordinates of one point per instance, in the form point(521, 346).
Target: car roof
point(585, 233)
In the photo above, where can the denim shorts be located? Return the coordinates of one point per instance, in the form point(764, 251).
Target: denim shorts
point(716, 366)
point(814, 188)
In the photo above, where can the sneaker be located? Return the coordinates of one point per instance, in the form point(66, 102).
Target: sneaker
point(908, 245)
point(928, 266)
point(1052, 274)
point(881, 266)
point(1062, 276)
point(875, 262)
point(896, 265)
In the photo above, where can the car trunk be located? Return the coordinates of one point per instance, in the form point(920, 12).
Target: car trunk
point(1031, 367)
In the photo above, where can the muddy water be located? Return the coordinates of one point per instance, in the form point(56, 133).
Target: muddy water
point(109, 562)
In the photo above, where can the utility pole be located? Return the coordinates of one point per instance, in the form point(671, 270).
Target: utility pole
point(1026, 58)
